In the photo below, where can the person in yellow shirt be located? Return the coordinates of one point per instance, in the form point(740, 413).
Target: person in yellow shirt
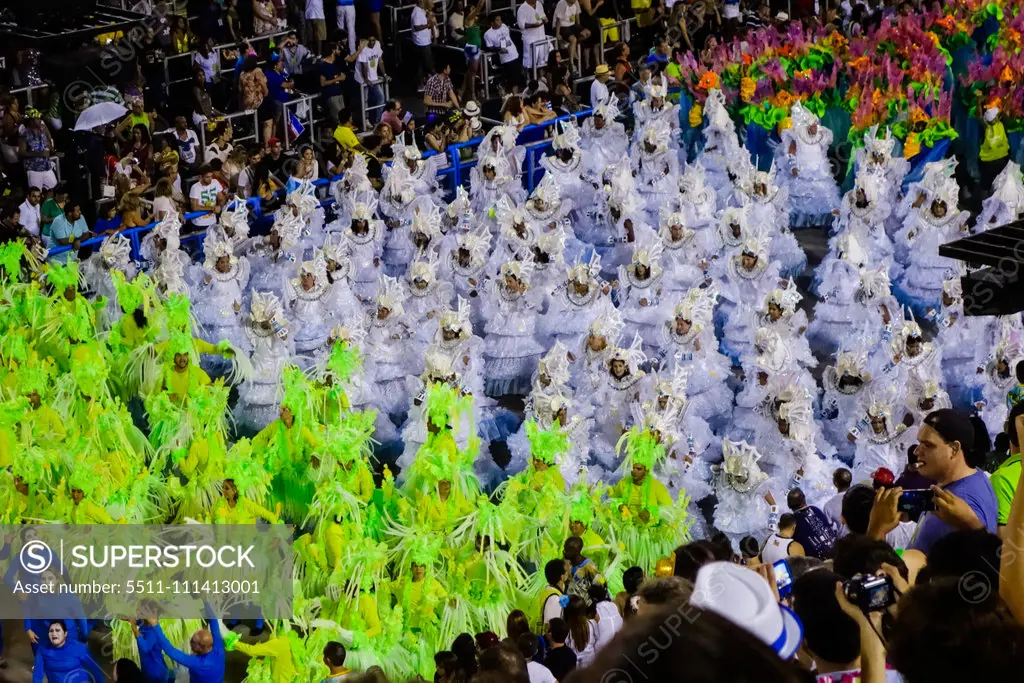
point(282, 650)
point(181, 375)
point(581, 518)
point(639, 492)
point(85, 511)
point(994, 152)
point(345, 132)
point(233, 509)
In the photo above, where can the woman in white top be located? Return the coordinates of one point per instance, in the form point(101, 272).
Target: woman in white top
point(605, 614)
point(583, 632)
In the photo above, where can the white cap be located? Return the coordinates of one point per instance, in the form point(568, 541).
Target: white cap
point(743, 597)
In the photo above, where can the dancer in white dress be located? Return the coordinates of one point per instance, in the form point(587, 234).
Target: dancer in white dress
point(881, 435)
point(363, 239)
point(511, 348)
point(389, 337)
point(426, 297)
point(656, 165)
point(465, 266)
point(961, 339)
point(683, 257)
point(876, 156)
point(271, 350)
point(722, 156)
point(345, 308)
point(803, 162)
point(592, 350)
point(697, 202)
point(1006, 203)
point(114, 255)
point(638, 291)
point(622, 382)
point(163, 240)
point(273, 255)
point(746, 505)
point(576, 302)
point(492, 180)
point(308, 301)
point(999, 376)
point(219, 298)
point(844, 383)
point(746, 276)
point(604, 140)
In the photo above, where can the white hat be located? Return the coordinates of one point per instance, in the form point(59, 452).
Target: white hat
point(743, 597)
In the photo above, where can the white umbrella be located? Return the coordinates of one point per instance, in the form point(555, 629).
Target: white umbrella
point(99, 115)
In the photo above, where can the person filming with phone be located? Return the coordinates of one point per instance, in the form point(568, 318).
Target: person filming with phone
point(962, 497)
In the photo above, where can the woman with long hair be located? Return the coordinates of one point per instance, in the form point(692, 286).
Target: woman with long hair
point(512, 112)
point(582, 631)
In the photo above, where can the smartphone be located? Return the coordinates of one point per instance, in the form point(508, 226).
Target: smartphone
point(405, 119)
point(916, 501)
point(783, 578)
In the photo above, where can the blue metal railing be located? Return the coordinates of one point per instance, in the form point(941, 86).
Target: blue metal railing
point(456, 171)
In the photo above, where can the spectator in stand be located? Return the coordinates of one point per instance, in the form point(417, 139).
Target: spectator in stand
point(472, 41)
point(274, 159)
point(163, 201)
point(69, 228)
point(1004, 480)
point(392, 116)
point(52, 208)
point(566, 25)
point(423, 28)
point(202, 101)
point(370, 73)
point(833, 509)
point(232, 22)
point(35, 147)
point(131, 214)
point(813, 532)
point(498, 39)
point(207, 60)
point(659, 55)
point(446, 667)
point(439, 94)
point(280, 85)
point(151, 64)
point(10, 224)
point(31, 214)
point(334, 660)
point(531, 18)
point(264, 17)
point(316, 26)
point(186, 142)
point(512, 112)
point(346, 18)
point(206, 195)
point(220, 147)
point(254, 94)
point(434, 134)
point(556, 575)
point(345, 133)
point(582, 631)
point(750, 552)
point(538, 108)
point(659, 592)
point(246, 179)
point(331, 70)
point(598, 90)
point(623, 67)
point(294, 55)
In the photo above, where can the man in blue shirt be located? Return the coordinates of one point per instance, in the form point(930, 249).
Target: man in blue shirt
point(279, 83)
point(151, 654)
point(814, 531)
point(69, 229)
point(206, 663)
point(659, 55)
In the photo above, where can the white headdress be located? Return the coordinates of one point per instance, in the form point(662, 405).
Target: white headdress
point(288, 227)
point(427, 220)
point(739, 469)
point(874, 284)
point(460, 205)
point(852, 362)
point(802, 116)
point(364, 206)
point(876, 145)
point(953, 287)
point(522, 270)
point(716, 113)
point(439, 365)
point(478, 244)
point(317, 267)
point(214, 248)
point(237, 219)
point(698, 307)
point(923, 388)
point(169, 229)
point(657, 134)
point(336, 250)
point(772, 353)
point(755, 244)
point(787, 298)
point(633, 356)
point(608, 324)
point(656, 87)
point(304, 198)
point(585, 272)
point(507, 135)
point(423, 269)
point(116, 251)
point(457, 319)
point(555, 364)
point(567, 137)
point(170, 273)
point(548, 191)
point(850, 250)
point(910, 327)
point(266, 307)
point(553, 244)
point(880, 400)
point(1009, 188)
point(694, 188)
point(390, 295)
point(649, 256)
point(734, 215)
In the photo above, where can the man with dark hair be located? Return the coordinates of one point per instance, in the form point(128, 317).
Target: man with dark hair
point(858, 554)
point(1004, 480)
point(857, 504)
point(507, 661)
point(833, 509)
point(781, 545)
point(538, 673)
point(334, 660)
point(584, 571)
point(830, 637)
point(665, 591)
point(555, 573)
point(561, 660)
point(438, 94)
point(813, 530)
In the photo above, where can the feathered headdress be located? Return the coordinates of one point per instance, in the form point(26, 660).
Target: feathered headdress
point(266, 307)
point(547, 190)
point(648, 256)
point(457, 319)
point(316, 266)
point(555, 364)
point(390, 295)
point(874, 283)
point(583, 273)
point(61, 276)
point(521, 270)
point(567, 137)
point(740, 469)
point(546, 444)
point(116, 251)
point(461, 205)
point(304, 198)
point(133, 295)
point(698, 307)
point(787, 298)
point(657, 134)
point(427, 221)
point(608, 324)
point(633, 356)
point(214, 247)
point(879, 145)
point(237, 219)
point(170, 230)
point(248, 471)
point(438, 366)
point(424, 269)
point(477, 243)
point(802, 116)
point(288, 227)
